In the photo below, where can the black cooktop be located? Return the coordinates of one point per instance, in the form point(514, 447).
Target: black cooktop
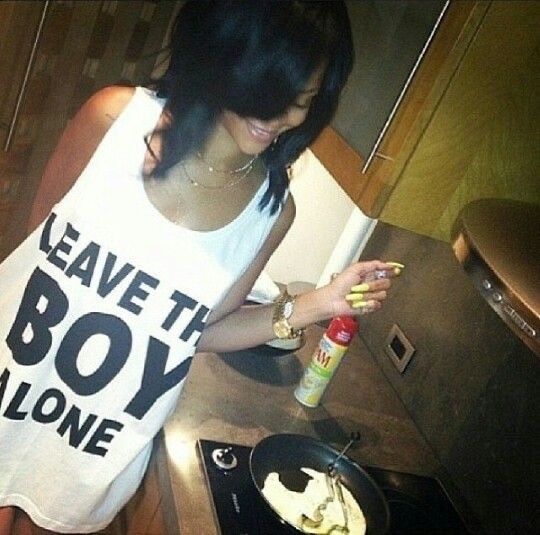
point(418, 504)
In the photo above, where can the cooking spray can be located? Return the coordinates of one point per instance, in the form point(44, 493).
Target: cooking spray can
point(325, 360)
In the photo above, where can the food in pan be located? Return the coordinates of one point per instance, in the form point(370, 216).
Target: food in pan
point(314, 510)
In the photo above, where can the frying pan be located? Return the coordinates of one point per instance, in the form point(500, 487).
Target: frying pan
point(286, 454)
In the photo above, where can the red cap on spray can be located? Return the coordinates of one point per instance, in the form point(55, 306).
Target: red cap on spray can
point(342, 329)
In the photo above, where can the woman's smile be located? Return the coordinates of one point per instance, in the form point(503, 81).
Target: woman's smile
point(259, 133)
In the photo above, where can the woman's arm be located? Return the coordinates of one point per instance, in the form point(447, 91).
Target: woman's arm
point(232, 326)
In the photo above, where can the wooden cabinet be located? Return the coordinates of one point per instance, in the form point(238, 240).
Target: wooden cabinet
point(481, 138)
point(23, 23)
point(369, 181)
point(389, 41)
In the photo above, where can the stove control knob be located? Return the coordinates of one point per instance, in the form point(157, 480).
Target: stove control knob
point(224, 458)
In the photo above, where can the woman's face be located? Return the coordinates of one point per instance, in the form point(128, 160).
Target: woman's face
point(253, 136)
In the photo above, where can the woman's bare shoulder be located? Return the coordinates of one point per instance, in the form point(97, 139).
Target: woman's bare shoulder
point(86, 130)
point(78, 142)
point(104, 106)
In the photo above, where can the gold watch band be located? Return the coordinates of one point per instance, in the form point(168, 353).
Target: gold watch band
point(283, 309)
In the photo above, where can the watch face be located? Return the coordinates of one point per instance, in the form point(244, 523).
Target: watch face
point(288, 309)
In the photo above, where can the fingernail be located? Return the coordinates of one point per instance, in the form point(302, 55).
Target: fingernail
point(397, 271)
point(360, 304)
point(395, 264)
point(354, 296)
point(364, 287)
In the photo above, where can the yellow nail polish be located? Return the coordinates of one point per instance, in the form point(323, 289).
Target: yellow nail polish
point(395, 264)
point(360, 304)
point(364, 287)
point(354, 297)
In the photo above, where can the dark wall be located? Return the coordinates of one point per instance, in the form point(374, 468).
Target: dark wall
point(471, 387)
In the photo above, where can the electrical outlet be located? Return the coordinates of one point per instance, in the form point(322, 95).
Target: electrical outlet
point(398, 348)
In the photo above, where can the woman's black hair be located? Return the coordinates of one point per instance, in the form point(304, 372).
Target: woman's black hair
point(252, 57)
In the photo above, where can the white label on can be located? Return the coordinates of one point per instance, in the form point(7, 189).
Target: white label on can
point(320, 370)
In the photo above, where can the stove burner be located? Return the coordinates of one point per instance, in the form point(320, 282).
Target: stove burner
point(418, 505)
point(224, 458)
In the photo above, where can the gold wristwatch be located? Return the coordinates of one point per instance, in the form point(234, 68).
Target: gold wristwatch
point(283, 309)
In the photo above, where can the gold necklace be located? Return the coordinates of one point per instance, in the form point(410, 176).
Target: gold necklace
point(230, 184)
point(213, 169)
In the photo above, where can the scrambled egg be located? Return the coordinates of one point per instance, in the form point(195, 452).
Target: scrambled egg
point(291, 505)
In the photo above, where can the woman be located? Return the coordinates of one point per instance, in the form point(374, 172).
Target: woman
point(156, 213)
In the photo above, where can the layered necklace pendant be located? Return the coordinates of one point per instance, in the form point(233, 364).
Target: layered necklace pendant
point(237, 175)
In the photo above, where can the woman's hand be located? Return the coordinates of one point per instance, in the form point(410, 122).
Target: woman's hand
point(360, 288)
point(356, 290)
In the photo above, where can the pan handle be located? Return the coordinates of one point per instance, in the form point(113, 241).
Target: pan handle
point(355, 436)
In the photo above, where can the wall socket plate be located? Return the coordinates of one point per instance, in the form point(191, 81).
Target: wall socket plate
point(398, 348)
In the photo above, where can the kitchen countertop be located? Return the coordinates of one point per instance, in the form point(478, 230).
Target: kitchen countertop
point(244, 396)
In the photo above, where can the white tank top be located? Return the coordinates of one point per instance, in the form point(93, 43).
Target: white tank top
point(101, 308)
